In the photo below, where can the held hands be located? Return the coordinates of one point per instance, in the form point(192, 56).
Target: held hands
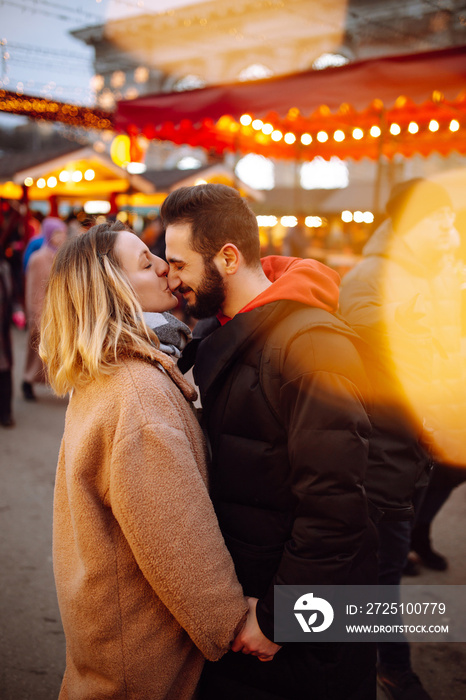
point(251, 640)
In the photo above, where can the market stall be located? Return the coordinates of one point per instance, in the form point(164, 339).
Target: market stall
point(400, 104)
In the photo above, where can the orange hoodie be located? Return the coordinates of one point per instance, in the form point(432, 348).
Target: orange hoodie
point(307, 281)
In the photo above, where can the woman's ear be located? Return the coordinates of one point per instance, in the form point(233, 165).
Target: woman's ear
point(229, 259)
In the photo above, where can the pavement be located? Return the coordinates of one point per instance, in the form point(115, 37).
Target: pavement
point(32, 644)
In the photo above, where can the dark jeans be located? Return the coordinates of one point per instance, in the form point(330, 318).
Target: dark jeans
point(394, 544)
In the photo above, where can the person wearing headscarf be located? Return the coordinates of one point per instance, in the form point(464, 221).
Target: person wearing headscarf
point(54, 232)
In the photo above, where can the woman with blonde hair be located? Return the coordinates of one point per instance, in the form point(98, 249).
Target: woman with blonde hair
point(145, 585)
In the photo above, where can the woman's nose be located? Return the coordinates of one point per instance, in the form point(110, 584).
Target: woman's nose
point(161, 267)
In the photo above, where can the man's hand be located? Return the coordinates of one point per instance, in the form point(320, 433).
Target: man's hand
point(251, 640)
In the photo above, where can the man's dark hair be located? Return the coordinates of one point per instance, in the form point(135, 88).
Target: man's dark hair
point(217, 215)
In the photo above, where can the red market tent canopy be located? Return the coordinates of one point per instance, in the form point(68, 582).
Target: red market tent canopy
point(426, 89)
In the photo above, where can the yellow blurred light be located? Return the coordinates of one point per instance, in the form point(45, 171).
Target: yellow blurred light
point(276, 135)
point(267, 129)
point(358, 216)
point(97, 82)
point(28, 181)
point(89, 174)
point(97, 206)
point(266, 221)
point(201, 182)
point(375, 131)
point(257, 124)
point(64, 176)
point(41, 183)
point(245, 119)
point(120, 150)
point(141, 74)
point(322, 136)
point(454, 125)
point(290, 137)
point(339, 135)
point(10, 190)
point(77, 176)
point(434, 125)
point(413, 127)
point(395, 129)
point(368, 217)
point(346, 216)
point(313, 221)
point(358, 134)
point(289, 221)
point(118, 79)
point(52, 182)
point(306, 139)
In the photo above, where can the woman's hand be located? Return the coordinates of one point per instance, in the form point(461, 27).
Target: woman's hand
point(251, 640)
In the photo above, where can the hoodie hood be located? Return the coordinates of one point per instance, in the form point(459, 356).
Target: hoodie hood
point(293, 279)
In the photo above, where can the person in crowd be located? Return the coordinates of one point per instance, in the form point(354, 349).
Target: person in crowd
point(13, 233)
point(54, 232)
point(6, 350)
point(145, 584)
point(296, 243)
point(445, 478)
point(36, 239)
point(288, 456)
point(403, 301)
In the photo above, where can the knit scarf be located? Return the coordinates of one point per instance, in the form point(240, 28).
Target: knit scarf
point(172, 333)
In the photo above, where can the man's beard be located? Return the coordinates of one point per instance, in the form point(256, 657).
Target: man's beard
point(210, 294)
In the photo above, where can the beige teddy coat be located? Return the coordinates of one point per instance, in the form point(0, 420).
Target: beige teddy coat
point(145, 584)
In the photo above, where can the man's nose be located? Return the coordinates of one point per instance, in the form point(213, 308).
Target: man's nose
point(173, 278)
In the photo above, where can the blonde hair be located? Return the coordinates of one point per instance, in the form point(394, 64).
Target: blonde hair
point(91, 316)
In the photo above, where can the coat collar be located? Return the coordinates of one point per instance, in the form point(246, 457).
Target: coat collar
point(219, 350)
point(170, 367)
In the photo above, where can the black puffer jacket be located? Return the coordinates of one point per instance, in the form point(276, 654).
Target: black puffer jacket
point(288, 492)
point(379, 298)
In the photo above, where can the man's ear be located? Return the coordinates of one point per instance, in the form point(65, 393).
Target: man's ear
point(229, 258)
